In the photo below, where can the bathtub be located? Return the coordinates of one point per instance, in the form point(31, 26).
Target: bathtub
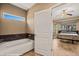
point(16, 47)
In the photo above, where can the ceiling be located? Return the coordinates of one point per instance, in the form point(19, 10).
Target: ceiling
point(24, 6)
point(68, 10)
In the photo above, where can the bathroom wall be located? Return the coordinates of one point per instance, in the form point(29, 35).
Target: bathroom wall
point(12, 26)
point(0, 19)
point(30, 14)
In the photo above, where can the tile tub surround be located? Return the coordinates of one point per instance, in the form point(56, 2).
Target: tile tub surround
point(64, 49)
point(10, 37)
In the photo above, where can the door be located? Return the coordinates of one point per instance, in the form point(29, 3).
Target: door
point(43, 32)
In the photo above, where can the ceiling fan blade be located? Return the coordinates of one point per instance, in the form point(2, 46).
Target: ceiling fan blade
point(69, 14)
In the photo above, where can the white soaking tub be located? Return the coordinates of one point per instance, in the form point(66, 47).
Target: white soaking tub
point(16, 47)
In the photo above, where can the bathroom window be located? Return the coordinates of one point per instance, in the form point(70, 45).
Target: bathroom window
point(9, 16)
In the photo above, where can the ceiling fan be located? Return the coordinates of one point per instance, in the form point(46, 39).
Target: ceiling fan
point(64, 13)
point(67, 12)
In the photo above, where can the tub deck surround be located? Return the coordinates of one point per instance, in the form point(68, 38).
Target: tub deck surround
point(30, 36)
point(16, 44)
point(10, 37)
point(16, 47)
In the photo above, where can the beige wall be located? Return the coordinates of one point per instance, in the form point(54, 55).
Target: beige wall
point(31, 11)
point(77, 25)
point(12, 26)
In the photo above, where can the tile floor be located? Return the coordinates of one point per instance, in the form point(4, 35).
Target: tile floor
point(31, 53)
point(59, 49)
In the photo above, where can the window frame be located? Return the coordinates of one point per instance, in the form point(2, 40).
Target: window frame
point(5, 13)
